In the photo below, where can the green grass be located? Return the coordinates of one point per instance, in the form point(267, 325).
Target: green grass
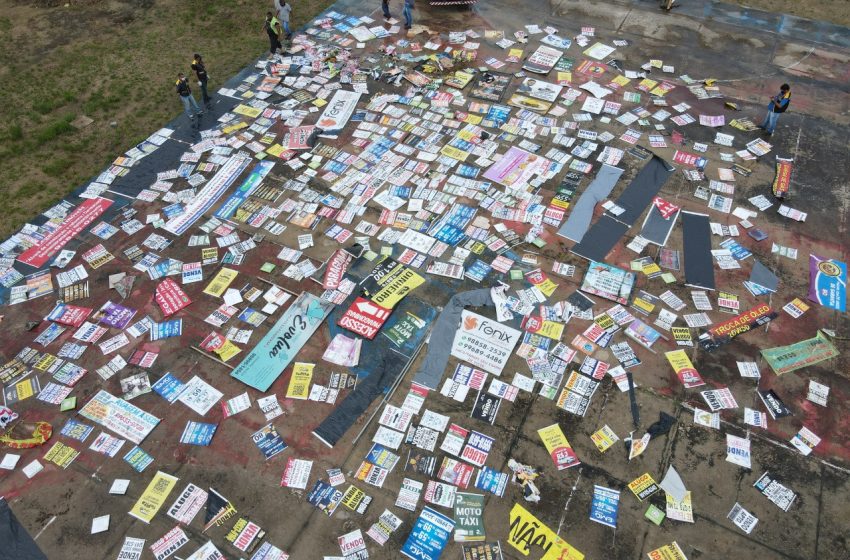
point(122, 73)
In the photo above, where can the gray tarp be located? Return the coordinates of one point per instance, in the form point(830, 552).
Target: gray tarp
point(15, 542)
point(442, 335)
point(579, 220)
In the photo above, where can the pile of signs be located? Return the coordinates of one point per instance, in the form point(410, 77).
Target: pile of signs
point(334, 208)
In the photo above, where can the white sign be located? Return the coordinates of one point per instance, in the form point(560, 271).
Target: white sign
point(484, 343)
point(338, 111)
point(199, 395)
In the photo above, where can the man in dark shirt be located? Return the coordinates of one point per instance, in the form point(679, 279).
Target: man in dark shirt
point(203, 77)
point(778, 105)
point(185, 93)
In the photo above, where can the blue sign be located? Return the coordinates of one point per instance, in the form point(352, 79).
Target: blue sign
point(828, 282)
point(245, 189)
point(168, 387)
point(429, 536)
point(605, 505)
point(267, 360)
point(198, 433)
point(268, 441)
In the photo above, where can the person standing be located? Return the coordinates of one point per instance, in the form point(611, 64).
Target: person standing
point(203, 77)
point(778, 105)
point(272, 27)
point(284, 11)
point(185, 93)
point(408, 13)
point(385, 5)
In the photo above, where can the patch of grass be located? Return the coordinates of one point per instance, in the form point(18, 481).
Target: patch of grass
point(55, 129)
point(15, 132)
point(57, 167)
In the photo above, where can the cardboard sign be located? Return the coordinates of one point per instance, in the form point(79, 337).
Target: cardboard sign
point(484, 343)
point(153, 497)
point(558, 447)
point(267, 360)
point(170, 297)
point(364, 318)
point(782, 181)
point(785, 359)
point(123, 418)
point(335, 269)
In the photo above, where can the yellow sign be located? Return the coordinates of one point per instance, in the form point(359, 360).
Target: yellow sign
point(526, 531)
point(153, 497)
point(667, 552)
point(621, 81)
point(604, 438)
point(682, 334)
point(454, 153)
point(227, 350)
point(61, 455)
point(399, 286)
point(558, 447)
point(234, 127)
point(247, 111)
point(643, 486)
point(299, 384)
point(222, 280)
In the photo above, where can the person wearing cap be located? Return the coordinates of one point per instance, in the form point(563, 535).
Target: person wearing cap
point(185, 93)
point(778, 105)
point(203, 77)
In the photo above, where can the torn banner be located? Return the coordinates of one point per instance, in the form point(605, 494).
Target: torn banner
point(785, 359)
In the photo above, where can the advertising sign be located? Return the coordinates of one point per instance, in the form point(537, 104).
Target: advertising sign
point(338, 111)
point(171, 297)
point(526, 531)
point(684, 369)
point(208, 195)
point(264, 364)
point(153, 497)
point(784, 359)
point(123, 418)
point(484, 342)
point(335, 269)
point(828, 282)
point(727, 330)
point(558, 447)
point(72, 225)
point(248, 186)
point(429, 536)
point(364, 318)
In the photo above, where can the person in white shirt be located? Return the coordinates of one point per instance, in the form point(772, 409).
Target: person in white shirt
point(284, 11)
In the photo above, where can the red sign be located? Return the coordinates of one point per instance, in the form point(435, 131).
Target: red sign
point(364, 318)
point(335, 270)
point(70, 315)
point(666, 209)
point(171, 297)
point(71, 226)
point(782, 181)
